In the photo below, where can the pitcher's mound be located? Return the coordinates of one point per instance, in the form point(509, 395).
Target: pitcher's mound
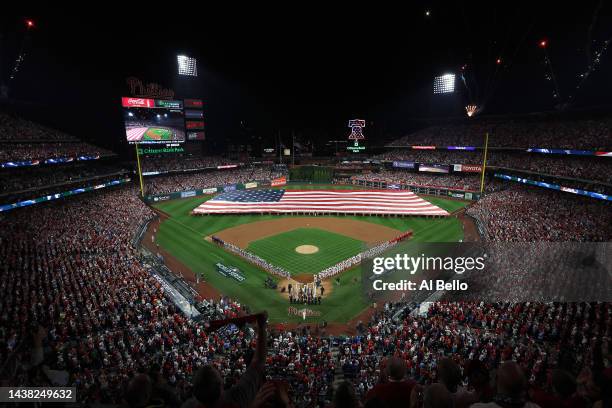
point(306, 249)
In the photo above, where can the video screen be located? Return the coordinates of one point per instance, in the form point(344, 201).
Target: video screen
point(194, 125)
point(194, 114)
point(199, 135)
point(402, 164)
point(153, 121)
point(434, 168)
point(194, 103)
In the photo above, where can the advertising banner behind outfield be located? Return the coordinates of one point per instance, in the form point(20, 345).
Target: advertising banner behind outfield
point(281, 181)
point(434, 168)
point(199, 192)
point(162, 198)
point(181, 194)
point(186, 194)
point(470, 148)
point(404, 164)
point(427, 190)
point(467, 168)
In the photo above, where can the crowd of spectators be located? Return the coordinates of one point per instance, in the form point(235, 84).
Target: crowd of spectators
point(591, 134)
point(78, 308)
point(179, 162)
point(22, 140)
point(41, 151)
point(207, 179)
point(107, 326)
point(587, 168)
point(31, 194)
point(462, 345)
point(306, 362)
point(71, 276)
point(592, 168)
point(14, 128)
point(530, 214)
point(470, 182)
point(46, 176)
point(433, 156)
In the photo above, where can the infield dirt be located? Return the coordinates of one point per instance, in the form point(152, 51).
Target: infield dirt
point(368, 232)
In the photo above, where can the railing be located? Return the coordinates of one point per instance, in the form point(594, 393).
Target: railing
point(176, 289)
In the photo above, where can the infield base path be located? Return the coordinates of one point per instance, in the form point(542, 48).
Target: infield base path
point(367, 232)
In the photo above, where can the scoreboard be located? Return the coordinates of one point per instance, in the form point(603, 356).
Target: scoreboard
point(163, 122)
point(194, 119)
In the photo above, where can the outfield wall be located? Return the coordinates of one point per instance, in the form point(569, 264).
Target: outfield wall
point(204, 191)
point(426, 190)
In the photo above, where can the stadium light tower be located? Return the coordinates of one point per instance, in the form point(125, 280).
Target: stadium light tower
point(444, 84)
point(187, 65)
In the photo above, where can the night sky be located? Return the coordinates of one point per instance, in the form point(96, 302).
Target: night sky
point(308, 68)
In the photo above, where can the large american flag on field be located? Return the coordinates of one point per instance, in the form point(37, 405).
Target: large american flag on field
point(402, 202)
point(135, 134)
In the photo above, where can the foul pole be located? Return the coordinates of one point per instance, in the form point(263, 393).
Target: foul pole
point(139, 171)
point(484, 163)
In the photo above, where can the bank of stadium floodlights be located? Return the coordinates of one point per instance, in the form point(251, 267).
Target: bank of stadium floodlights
point(187, 66)
point(444, 84)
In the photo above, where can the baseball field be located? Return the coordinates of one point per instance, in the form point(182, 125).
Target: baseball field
point(301, 245)
point(155, 133)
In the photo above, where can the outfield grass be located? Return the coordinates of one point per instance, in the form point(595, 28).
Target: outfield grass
point(183, 236)
point(280, 249)
point(157, 134)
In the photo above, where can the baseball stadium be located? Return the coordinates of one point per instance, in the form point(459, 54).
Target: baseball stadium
point(231, 211)
point(300, 245)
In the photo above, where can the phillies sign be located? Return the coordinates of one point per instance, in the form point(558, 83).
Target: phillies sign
point(148, 90)
point(128, 102)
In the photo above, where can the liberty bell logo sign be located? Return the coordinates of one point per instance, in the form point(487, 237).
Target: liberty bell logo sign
point(356, 126)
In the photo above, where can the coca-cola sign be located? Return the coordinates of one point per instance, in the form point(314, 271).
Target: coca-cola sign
point(129, 102)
